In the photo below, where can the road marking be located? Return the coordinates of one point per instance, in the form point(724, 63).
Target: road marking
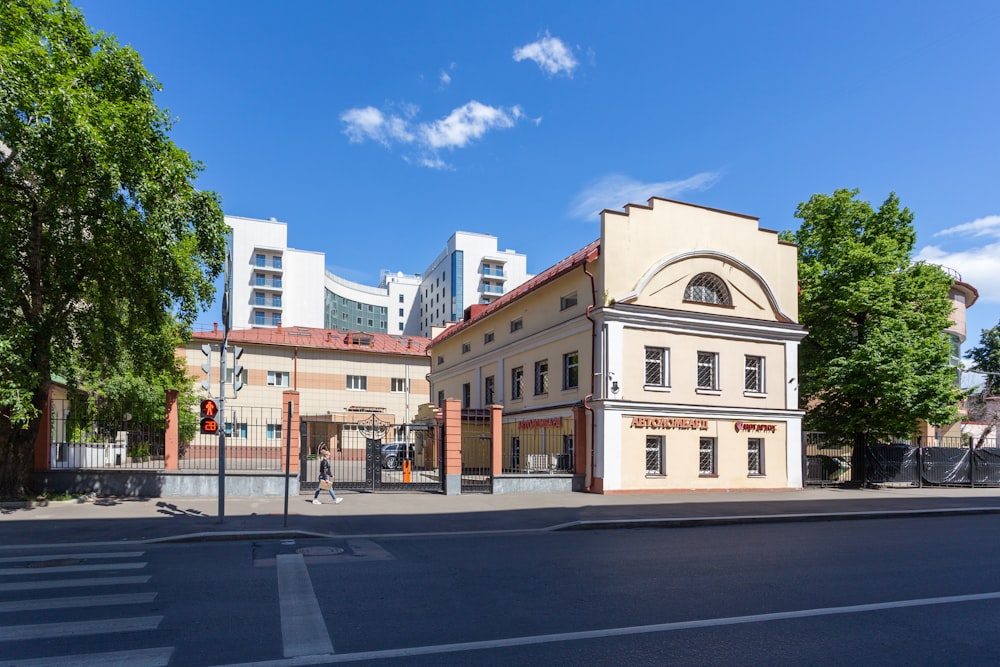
point(34, 559)
point(77, 628)
point(62, 569)
point(73, 583)
point(303, 628)
point(611, 632)
point(72, 603)
point(144, 657)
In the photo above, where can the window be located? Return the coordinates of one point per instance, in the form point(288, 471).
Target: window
point(276, 262)
point(755, 456)
point(517, 382)
point(276, 281)
point(440, 360)
point(440, 399)
point(398, 385)
point(655, 455)
point(489, 390)
point(258, 318)
point(516, 325)
point(277, 378)
point(657, 367)
point(466, 395)
point(258, 279)
point(401, 298)
point(571, 371)
point(400, 312)
point(487, 337)
point(243, 376)
point(567, 301)
point(357, 382)
point(241, 430)
point(567, 462)
point(466, 347)
point(274, 431)
point(708, 288)
point(370, 322)
point(276, 300)
point(541, 377)
point(275, 319)
point(259, 260)
point(258, 298)
point(400, 326)
point(708, 370)
point(753, 374)
point(706, 456)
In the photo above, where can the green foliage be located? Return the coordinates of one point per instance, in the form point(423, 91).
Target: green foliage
point(108, 250)
point(876, 357)
point(986, 359)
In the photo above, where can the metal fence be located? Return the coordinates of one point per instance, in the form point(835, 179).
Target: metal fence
point(538, 446)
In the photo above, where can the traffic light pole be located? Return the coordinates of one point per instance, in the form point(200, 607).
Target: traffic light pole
point(224, 352)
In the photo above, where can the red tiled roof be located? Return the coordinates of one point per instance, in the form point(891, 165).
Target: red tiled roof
point(326, 339)
point(586, 254)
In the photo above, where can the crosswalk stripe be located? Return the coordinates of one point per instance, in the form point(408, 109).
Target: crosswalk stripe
point(73, 583)
point(78, 628)
point(144, 657)
point(61, 569)
point(35, 559)
point(303, 628)
point(76, 602)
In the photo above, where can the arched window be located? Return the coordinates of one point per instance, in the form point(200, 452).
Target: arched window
point(708, 288)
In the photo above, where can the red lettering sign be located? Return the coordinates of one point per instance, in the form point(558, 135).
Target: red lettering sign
point(670, 423)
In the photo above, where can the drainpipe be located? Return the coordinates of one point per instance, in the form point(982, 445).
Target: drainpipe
point(593, 374)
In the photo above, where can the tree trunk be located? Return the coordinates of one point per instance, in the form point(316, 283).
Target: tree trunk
point(858, 475)
point(17, 458)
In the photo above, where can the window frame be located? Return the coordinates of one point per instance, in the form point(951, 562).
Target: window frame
point(516, 324)
point(659, 444)
point(361, 380)
point(568, 300)
point(542, 377)
point(274, 378)
point(489, 389)
point(664, 367)
point(467, 395)
point(713, 366)
point(517, 383)
point(397, 385)
point(571, 368)
point(708, 445)
point(760, 387)
point(760, 470)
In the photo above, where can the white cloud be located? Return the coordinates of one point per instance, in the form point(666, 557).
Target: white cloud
point(456, 130)
point(616, 190)
point(979, 266)
point(988, 226)
point(371, 123)
point(550, 53)
point(445, 78)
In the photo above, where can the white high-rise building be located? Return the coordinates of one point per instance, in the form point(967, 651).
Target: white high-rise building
point(276, 285)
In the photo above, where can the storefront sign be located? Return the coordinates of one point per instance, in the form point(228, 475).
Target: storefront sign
point(755, 427)
point(670, 422)
point(548, 422)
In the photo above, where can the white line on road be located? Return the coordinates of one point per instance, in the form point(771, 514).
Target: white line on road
point(76, 602)
point(73, 583)
point(77, 628)
point(611, 632)
point(36, 558)
point(303, 628)
point(143, 657)
point(62, 569)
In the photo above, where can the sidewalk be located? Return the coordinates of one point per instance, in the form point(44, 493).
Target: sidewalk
point(123, 520)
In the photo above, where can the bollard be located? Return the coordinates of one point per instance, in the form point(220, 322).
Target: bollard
point(406, 472)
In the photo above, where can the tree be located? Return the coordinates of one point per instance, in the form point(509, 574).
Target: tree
point(108, 250)
point(982, 404)
point(876, 359)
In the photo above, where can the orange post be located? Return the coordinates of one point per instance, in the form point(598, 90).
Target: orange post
point(406, 471)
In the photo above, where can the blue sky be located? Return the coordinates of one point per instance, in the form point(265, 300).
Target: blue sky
point(376, 129)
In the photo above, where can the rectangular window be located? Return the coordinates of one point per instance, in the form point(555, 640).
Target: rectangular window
point(755, 456)
point(400, 312)
point(657, 367)
point(753, 374)
point(440, 399)
point(400, 326)
point(541, 377)
point(706, 456)
point(566, 461)
point(708, 370)
point(276, 281)
point(258, 298)
point(277, 378)
point(243, 376)
point(466, 347)
point(571, 370)
point(487, 337)
point(274, 431)
point(259, 260)
point(258, 279)
point(258, 318)
point(357, 382)
point(276, 300)
point(655, 455)
point(241, 430)
point(489, 390)
point(567, 301)
point(401, 298)
point(516, 325)
point(275, 319)
point(517, 382)
point(466, 395)
point(398, 385)
point(276, 262)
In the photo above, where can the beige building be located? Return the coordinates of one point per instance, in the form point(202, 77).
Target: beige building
point(342, 378)
point(674, 335)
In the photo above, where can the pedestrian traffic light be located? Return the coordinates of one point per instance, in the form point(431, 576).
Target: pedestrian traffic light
point(237, 368)
point(209, 416)
point(206, 366)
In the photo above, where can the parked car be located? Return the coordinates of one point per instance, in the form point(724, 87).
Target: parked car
point(394, 453)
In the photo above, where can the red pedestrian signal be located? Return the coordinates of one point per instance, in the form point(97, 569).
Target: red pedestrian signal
point(209, 412)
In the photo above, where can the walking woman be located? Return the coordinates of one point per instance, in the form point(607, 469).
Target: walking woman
point(325, 477)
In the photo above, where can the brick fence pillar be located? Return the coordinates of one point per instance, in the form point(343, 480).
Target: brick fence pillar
point(172, 433)
point(452, 411)
point(496, 440)
point(290, 428)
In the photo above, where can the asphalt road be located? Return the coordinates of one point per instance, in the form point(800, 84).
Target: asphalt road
point(914, 591)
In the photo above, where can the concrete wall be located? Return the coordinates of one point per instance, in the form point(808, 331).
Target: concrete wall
point(158, 483)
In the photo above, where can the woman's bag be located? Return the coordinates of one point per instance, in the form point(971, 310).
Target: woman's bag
point(325, 484)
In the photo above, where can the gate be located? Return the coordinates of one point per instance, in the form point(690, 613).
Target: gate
point(371, 455)
point(476, 452)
